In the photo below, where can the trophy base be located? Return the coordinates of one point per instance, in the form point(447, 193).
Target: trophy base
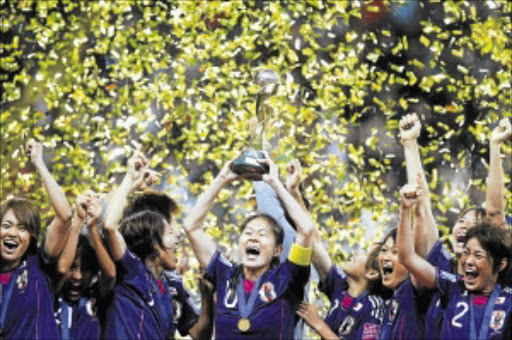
point(247, 164)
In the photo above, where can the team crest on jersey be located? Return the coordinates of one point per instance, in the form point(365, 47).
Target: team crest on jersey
point(346, 325)
point(173, 291)
point(497, 320)
point(393, 310)
point(267, 292)
point(22, 280)
point(230, 298)
point(500, 300)
point(358, 306)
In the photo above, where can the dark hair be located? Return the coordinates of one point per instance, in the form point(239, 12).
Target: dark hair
point(375, 286)
point(154, 201)
point(278, 235)
point(27, 215)
point(391, 233)
point(495, 241)
point(142, 232)
point(87, 254)
point(479, 212)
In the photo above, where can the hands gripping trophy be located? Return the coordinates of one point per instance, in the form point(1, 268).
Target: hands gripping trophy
point(248, 163)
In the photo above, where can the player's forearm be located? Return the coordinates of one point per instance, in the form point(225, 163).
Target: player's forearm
point(325, 331)
point(57, 198)
point(495, 185)
point(203, 328)
point(107, 266)
point(68, 253)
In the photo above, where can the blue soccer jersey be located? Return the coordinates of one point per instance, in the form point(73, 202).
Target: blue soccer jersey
point(403, 316)
point(466, 311)
point(279, 292)
point(28, 297)
point(349, 317)
point(78, 320)
point(133, 312)
point(439, 258)
point(185, 313)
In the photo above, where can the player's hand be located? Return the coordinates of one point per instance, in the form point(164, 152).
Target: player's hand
point(35, 153)
point(502, 132)
point(293, 175)
point(410, 127)
point(309, 313)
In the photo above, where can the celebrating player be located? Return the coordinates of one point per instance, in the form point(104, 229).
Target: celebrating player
point(27, 289)
point(258, 298)
point(479, 308)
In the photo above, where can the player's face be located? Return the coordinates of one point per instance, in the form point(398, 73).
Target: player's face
point(357, 266)
point(477, 265)
point(15, 239)
point(461, 227)
point(391, 270)
point(257, 244)
point(77, 281)
point(170, 241)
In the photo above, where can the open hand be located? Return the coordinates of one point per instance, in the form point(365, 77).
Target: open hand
point(273, 174)
point(410, 127)
point(309, 313)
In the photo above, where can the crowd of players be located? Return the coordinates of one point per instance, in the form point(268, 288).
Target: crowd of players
point(107, 270)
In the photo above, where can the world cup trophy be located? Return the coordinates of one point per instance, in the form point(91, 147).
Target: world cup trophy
point(247, 163)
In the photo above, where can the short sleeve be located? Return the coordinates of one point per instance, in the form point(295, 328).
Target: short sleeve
point(445, 281)
point(439, 257)
point(336, 280)
point(218, 265)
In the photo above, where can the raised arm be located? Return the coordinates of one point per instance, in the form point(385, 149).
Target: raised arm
point(107, 278)
point(137, 177)
point(202, 245)
point(423, 272)
point(67, 256)
point(321, 259)
point(57, 231)
point(495, 197)
point(426, 235)
point(304, 224)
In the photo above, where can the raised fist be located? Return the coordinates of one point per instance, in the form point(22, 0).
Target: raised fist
point(410, 127)
point(293, 174)
point(35, 152)
point(502, 132)
point(410, 195)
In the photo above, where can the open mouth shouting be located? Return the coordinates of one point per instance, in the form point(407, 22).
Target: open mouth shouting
point(252, 251)
point(387, 271)
point(470, 276)
point(10, 246)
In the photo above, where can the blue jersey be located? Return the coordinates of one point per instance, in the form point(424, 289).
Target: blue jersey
point(29, 300)
point(132, 312)
point(461, 304)
point(78, 320)
point(185, 314)
point(439, 258)
point(404, 316)
point(279, 293)
point(351, 318)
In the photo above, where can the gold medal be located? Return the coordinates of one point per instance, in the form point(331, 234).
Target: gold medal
point(244, 325)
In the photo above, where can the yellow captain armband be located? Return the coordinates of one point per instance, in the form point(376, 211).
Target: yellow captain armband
point(300, 255)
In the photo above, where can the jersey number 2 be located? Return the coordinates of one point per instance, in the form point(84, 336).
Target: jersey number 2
point(460, 314)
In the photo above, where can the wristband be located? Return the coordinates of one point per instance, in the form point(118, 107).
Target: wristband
point(300, 255)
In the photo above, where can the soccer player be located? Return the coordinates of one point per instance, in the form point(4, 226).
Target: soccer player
point(81, 290)
point(258, 298)
point(27, 289)
point(142, 247)
point(186, 318)
point(478, 308)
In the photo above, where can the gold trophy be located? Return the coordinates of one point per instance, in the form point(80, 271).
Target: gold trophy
point(247, 163)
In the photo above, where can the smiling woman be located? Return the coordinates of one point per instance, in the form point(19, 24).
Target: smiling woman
point(25, 268)
point(256, 299)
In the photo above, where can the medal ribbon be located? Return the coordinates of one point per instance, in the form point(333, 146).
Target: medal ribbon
point(245, 307)
point(484, 328)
